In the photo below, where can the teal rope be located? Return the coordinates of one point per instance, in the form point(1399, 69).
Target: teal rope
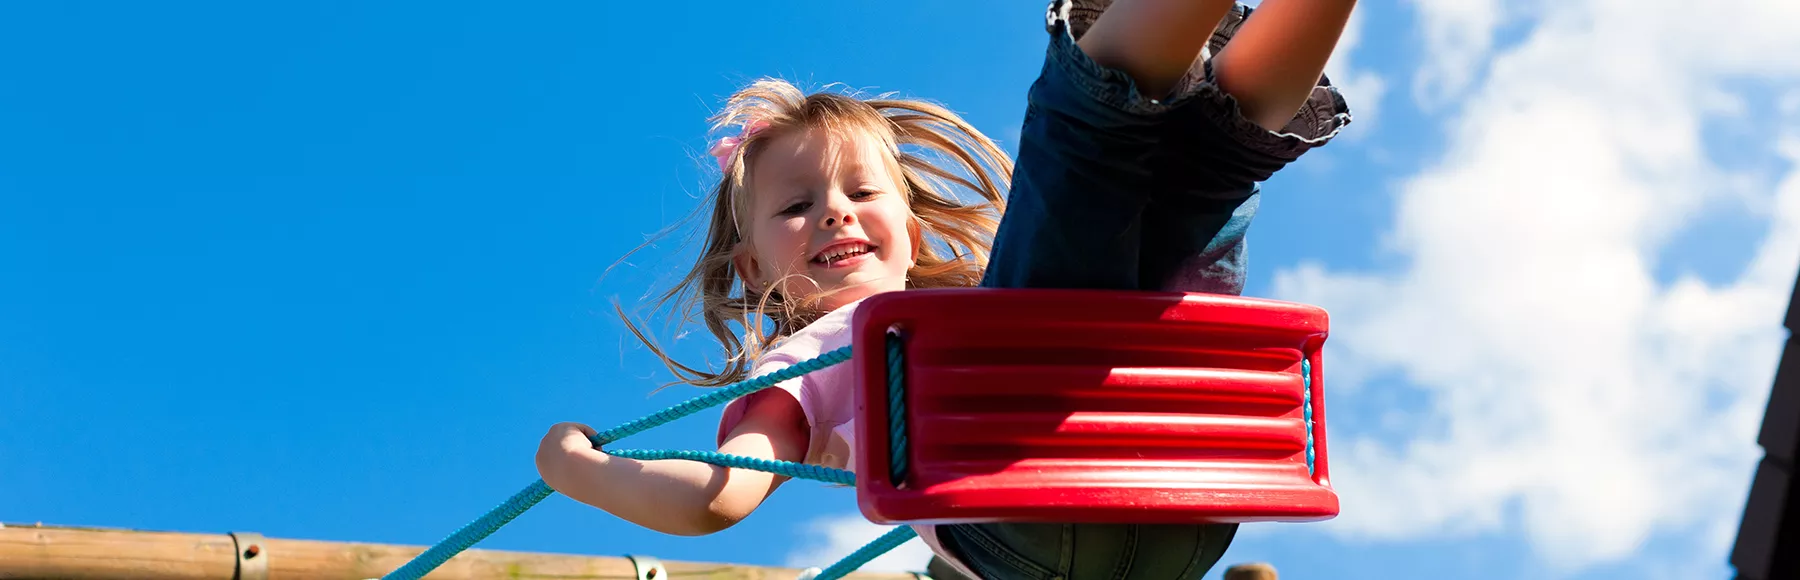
point(473, 532)
point(787, 468)
point(888, 541)
point(1306, 406)
point(896, 367)
point(720, 396)
point(848, 564)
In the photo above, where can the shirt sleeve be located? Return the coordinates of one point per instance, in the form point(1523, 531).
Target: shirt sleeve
point(794, 387)
point(826, 396)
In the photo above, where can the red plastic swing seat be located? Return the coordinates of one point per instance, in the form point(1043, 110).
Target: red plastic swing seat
point(1084, 406)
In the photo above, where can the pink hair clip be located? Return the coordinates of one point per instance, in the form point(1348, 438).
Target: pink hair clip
point(728, 146)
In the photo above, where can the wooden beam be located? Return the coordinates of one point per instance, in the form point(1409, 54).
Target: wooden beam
point(38, 551)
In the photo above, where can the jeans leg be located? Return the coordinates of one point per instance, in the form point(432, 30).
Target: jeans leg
point(1012, 551)
point(1196, 244)
point(1021, 551)
point(1083, 176)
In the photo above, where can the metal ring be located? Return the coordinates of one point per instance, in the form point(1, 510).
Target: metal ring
point(252, 556)
point(648, 568)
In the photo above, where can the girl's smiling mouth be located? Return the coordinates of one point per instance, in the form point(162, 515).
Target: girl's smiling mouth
point(844, 253)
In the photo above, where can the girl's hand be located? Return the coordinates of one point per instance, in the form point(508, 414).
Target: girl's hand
point(561, 446)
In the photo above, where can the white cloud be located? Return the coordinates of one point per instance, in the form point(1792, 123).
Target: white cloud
point(1360, 86)
point(1458, 35)
point(828, 539)
point(1567, 387)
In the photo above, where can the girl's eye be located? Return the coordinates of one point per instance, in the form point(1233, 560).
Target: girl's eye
point(860, 195)
point(796, 207)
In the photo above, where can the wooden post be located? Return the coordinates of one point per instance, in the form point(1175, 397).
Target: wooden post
point(36, 551)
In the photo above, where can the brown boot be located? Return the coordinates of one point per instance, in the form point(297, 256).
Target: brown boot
point(1251, 571)
point(938, 569)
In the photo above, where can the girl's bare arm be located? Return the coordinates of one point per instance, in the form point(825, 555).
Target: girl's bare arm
point(675, 496)
point(1270, 66)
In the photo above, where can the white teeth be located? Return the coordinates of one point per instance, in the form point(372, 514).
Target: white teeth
point(842, 252)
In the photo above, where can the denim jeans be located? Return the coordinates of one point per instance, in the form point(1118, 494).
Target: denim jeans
point(1116, 190)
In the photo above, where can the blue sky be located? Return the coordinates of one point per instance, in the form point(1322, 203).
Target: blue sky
point(331, 272)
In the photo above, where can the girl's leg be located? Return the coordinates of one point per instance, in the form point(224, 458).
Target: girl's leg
point(1120, 188)
point(1088, 168)
point(1271, 69)
point(1211, 162)
point(1276, 60)
point(1127, 184)
point(1074, 216)
point(1155, 42)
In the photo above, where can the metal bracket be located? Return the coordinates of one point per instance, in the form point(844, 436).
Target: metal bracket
point(252, 556)
point(648, 568)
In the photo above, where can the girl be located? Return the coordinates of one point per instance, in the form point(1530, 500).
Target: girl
point(1145, 138)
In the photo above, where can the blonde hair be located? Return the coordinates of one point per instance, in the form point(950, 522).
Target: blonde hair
point(951, 154)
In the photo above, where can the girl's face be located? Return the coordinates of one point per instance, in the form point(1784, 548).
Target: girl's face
point(826, 218)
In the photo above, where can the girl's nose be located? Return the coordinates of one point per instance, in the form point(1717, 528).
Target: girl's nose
point(836, 219)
